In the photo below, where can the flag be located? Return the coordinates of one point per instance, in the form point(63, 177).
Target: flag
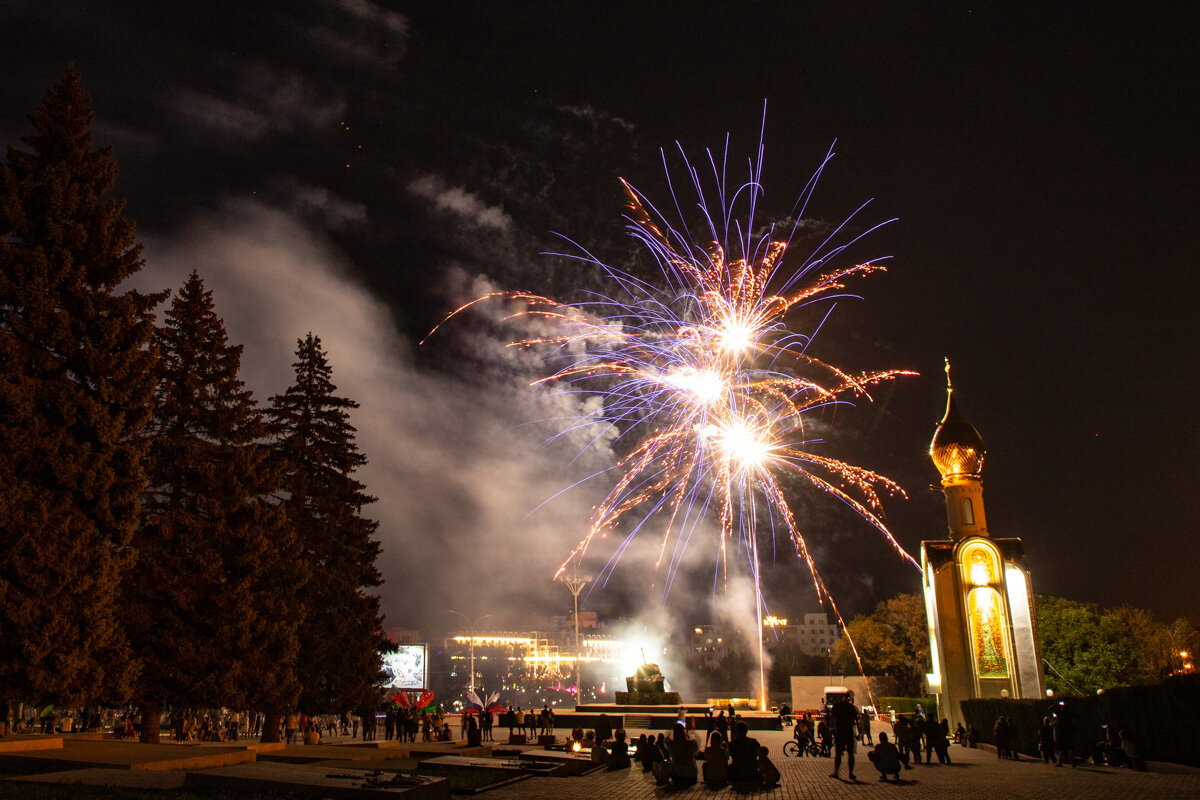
point(473, 700)
point(425, 701)
point(401, 699)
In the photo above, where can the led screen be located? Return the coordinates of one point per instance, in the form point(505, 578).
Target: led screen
point(406, 668)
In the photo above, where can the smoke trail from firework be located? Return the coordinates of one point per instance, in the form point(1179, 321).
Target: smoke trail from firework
point(706, 382)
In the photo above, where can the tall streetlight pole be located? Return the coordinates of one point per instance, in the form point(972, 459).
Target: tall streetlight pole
point(575, 583)
point(472, 623)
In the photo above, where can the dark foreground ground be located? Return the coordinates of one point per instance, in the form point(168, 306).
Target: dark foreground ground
point(974, 773)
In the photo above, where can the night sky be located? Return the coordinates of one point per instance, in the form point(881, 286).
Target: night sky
point(355, 168)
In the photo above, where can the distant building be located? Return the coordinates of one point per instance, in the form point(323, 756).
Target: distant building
point(711, 645)
point(507, 659)
point(403, 636)
point(587, 619)
point(523, 660)
point(816, 636)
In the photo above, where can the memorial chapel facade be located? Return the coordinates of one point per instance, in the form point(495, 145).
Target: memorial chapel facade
point(978, 594)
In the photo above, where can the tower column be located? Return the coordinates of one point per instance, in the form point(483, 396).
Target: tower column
point(964, 508)
point(978, 595)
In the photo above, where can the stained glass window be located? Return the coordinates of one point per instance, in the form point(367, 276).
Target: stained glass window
point(987, 632)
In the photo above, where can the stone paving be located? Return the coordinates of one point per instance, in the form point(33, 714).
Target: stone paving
point(974, 773)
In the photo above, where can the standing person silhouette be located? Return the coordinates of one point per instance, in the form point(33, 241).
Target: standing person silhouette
point(844, 715)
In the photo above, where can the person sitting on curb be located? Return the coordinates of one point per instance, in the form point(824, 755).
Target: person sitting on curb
point(646, 753)
point(684, 752)
point(599, 751)
point(618, 758)
point(1132, 750)
point(886, 758)
point(716, 761)
point(768, 773)
point(743, 756)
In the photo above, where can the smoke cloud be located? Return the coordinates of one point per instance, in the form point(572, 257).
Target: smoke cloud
point(458, 468)
point(473, 477)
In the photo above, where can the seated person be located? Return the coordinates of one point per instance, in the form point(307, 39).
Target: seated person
point(683, 750)
point(886, 758)
point(743, 758)
point(768, 773)
point(599, 751)
point(619, 757)
point(716, 761)
point(644, 753)
point(1132, 750)
point(474, 734)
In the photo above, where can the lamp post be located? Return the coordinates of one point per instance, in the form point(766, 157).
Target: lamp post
point(471, 623)
point(575, 583)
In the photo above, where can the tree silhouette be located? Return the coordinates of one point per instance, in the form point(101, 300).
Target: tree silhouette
point(341, 638)
point(75, 385)
point(214, 608)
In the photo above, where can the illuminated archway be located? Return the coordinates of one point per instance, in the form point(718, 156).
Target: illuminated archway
point(979, 562)
point(988, 641)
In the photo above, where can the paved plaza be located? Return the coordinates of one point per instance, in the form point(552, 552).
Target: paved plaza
point(975, 773)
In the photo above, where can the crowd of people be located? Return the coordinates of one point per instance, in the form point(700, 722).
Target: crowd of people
point(677, 759)
point(728, 755)
point(181, 724)
point(529, 723)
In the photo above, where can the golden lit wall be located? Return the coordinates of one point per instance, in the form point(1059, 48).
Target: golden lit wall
point(987, 633)
point(979, 561)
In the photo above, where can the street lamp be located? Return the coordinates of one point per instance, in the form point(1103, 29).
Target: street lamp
point(471, 623)
point(575, 583)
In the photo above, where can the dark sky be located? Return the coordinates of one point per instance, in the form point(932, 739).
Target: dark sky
point(354, 166)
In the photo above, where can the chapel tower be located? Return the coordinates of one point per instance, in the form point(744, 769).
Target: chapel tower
point(978, 596)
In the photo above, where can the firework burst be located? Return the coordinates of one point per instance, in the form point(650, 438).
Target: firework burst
point(706, 379)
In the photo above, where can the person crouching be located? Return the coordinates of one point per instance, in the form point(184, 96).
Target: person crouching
point(886, 758)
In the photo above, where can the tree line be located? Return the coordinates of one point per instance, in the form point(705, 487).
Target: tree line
point(1085, 648)
point(165, 541)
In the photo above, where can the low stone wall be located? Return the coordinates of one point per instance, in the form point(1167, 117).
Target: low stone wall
point(649, 699)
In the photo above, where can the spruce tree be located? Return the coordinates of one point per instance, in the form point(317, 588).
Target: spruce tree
point(342, 637)
point(213, 612)
point(75, 387)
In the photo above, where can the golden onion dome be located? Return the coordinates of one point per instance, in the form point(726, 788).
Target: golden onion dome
point(957, 448)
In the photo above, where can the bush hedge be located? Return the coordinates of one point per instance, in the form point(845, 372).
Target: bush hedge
point(1161, 716)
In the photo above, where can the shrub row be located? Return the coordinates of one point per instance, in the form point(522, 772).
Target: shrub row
point(1161, 716)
